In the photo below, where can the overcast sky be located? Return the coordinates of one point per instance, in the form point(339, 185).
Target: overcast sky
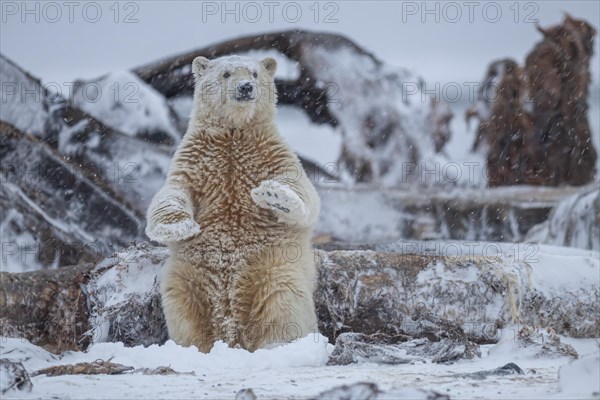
point(442, 41)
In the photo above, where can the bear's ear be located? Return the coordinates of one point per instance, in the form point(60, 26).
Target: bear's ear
point(270, 65)
point(199, 66)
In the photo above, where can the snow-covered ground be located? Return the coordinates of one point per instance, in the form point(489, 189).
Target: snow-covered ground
point(299, 370)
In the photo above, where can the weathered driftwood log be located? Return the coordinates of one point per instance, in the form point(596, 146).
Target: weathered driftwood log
point(47, 307)
point(52, 214)
point(72, 188)
point(533, 119)
point(358, 291)
point(125, 103)
point(492, 214)
point(131, 169)
point(172, 76)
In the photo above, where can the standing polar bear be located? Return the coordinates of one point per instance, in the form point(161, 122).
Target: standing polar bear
point(237, 212)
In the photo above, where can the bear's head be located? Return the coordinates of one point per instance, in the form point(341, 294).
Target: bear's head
point(234, 90)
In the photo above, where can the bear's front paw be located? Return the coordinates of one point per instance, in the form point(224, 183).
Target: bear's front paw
point(173, 231)
point(281, 199)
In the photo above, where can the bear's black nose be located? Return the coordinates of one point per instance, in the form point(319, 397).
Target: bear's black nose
point(246, 88)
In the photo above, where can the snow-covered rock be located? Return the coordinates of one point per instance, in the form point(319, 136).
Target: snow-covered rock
point(355, 391)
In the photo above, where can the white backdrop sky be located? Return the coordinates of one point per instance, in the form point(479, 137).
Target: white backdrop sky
point(440, 51)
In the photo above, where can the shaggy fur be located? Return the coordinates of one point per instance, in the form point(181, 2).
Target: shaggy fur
point(237, 212)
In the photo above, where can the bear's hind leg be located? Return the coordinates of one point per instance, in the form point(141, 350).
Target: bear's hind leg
point(187, 308)
point(276, 306)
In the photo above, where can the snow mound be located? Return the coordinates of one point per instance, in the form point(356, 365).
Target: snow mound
point(310, 351)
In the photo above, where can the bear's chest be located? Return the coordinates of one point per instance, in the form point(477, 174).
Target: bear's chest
point(235, 170)
point(227, 171)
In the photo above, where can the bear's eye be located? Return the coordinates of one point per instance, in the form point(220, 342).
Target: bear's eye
point(255, 75)
point(226, 75)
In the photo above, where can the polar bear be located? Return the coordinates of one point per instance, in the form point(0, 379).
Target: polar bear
point(237, 212)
